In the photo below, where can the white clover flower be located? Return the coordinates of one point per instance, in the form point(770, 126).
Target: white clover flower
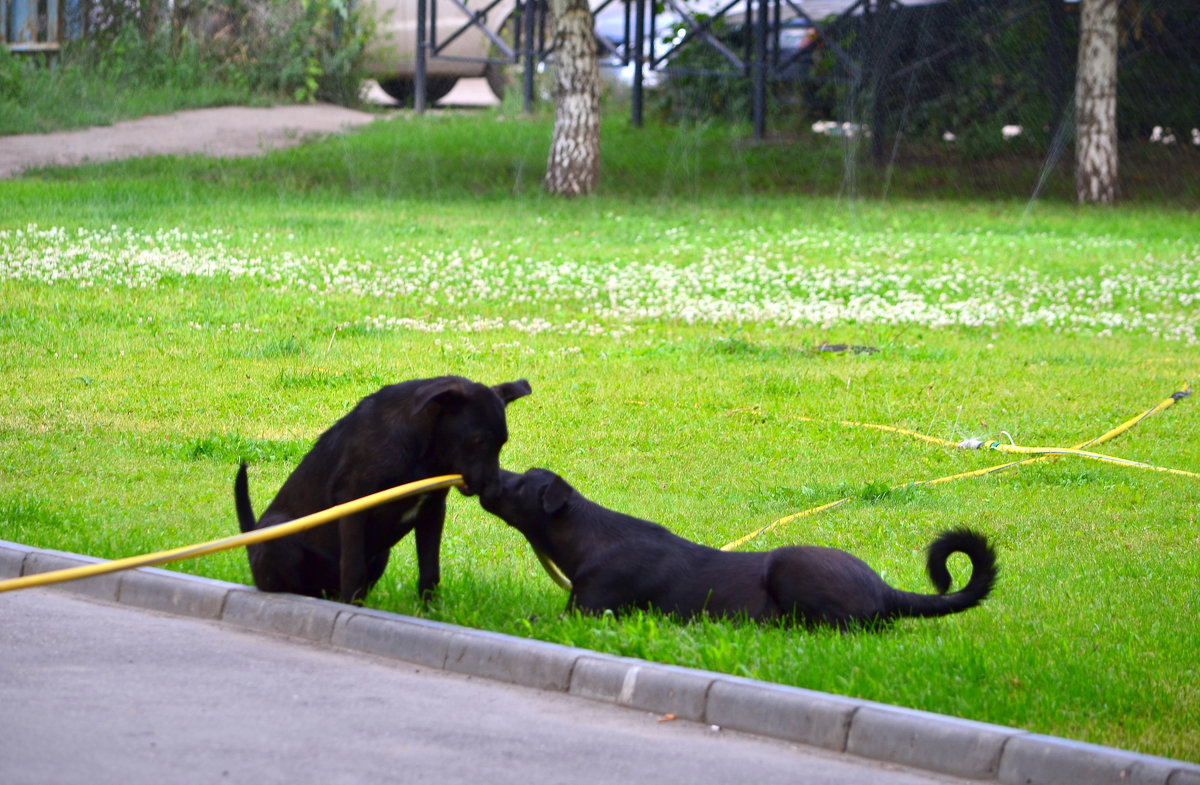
point(749, 277)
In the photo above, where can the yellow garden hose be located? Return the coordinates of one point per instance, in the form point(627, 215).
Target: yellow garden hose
point(238, 540)
point(1076, 453)
point(553, 570)
point(1039, 453)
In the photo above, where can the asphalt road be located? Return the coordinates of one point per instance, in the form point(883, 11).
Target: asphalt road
point(102, 693)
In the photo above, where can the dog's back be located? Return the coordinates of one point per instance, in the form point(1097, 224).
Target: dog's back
point(635, 563)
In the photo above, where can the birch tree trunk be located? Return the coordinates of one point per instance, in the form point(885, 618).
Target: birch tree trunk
point(1096, 103)
point(574, 165)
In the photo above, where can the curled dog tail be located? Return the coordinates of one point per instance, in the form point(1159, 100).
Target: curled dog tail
point(241, 500)
point(979, 586)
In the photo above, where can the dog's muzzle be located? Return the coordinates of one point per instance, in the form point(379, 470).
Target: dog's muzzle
point(476, 486)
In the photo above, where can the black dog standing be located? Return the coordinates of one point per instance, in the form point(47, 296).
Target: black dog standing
point(617, 562)
point(402, 433)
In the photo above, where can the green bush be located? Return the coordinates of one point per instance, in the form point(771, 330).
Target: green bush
point(204, 54)
point(304, 50)
point(702, 84)
point(12, 76)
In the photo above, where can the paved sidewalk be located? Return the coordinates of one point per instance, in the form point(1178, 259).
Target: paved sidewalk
point(97, 686)
point(99, 693)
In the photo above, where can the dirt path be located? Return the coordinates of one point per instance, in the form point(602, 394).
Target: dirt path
point(230, 131)
point(224, 131)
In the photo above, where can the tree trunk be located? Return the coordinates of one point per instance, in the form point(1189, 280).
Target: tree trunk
point(574, 165)
point(1096, 103)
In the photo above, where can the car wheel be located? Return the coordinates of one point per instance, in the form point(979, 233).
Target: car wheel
point(403, 90)
point(497, 79)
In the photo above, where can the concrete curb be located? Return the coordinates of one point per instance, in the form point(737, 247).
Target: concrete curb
point(923, 740)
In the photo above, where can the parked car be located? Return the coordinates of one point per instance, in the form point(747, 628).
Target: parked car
point(679, 48)
point(463, 48)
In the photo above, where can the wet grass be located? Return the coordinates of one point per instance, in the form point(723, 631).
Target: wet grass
point(238, 308)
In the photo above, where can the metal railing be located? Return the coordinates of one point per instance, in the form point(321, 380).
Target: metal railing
point(521, 39)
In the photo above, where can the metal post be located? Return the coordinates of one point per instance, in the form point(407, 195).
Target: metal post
point(1057, 64)
point(760, 72)
point(880, 61)
point(53, 22)
point(639, 73)
point(422, 38)
point(530, 52)
point(773, 53)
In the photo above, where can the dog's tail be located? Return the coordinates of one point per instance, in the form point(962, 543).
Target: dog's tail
point(983, 576)
point(241, 500)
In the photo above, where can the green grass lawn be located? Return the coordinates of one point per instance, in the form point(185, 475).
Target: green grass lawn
point(161, 319)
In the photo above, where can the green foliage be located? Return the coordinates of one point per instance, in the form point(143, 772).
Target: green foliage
point(1004, 63)
point(1159, 68)
point(13, 77)
point(210, 54)
point(959, 66)
point(98, 82)
point(703, 85)
point(306, 51)
point(1001, 79)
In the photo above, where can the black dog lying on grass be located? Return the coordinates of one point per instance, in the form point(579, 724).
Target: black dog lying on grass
point(402, 433)
point(617, 562)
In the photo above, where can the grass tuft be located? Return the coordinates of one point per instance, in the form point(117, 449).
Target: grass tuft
point(234, 448)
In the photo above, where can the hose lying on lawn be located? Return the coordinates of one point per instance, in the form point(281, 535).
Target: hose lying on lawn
point(1039, 453)
point(452, 480)
point(237, 540)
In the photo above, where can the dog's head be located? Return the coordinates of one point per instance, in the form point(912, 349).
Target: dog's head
point(536, 504)
point(528, 501)
point(471, 427)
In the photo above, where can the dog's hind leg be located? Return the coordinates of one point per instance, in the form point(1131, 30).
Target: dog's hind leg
point(824, 586)
point(375, 568)
point(605, 587)
point(428, 518)
point(352, 565)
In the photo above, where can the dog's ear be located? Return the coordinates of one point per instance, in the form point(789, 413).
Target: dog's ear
point(555, 495)
point(440, 390)
point(511, 391)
